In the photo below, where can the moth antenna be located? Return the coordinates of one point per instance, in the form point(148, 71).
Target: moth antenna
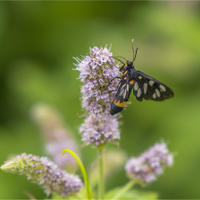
point(134, 55)
point(133, 49)
point(120, 57)
point(119, 60)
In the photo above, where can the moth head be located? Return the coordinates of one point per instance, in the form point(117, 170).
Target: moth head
point(129, 63)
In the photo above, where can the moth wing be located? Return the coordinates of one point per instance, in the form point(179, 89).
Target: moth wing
point(123, 92)
point(151, 89)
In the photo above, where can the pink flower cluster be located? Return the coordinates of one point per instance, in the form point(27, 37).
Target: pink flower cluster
point(150, 164)
point(98, 73)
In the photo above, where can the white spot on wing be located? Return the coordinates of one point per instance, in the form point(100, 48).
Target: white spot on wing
point(151, 82)
point(139, 93)
point(145, 86)
point(140, 77)
point(123, 86)
point(136, 86)
point(154, 95)
point(121, 92)
point(157, 93)
point(124, 95)
point(127, 87)
point(162, 87)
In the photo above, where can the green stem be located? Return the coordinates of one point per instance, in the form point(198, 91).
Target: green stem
point(84, 173)
point(101, 175)
point(125, 188)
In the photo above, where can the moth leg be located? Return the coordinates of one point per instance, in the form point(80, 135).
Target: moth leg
point(121, 68)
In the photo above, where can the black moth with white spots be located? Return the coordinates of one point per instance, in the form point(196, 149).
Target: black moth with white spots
point(144, 87)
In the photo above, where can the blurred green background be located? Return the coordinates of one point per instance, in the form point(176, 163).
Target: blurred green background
point(37, 43)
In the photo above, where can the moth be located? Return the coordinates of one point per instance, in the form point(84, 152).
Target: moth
point(143, 86)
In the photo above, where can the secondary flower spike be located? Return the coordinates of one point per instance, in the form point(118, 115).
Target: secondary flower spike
point(150, 164)
point(98, 74)
point(56, 134)
point(97, 132)
point(44, 173)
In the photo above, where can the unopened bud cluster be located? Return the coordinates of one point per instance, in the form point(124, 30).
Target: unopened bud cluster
point(56, 134)
point(45, 173)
